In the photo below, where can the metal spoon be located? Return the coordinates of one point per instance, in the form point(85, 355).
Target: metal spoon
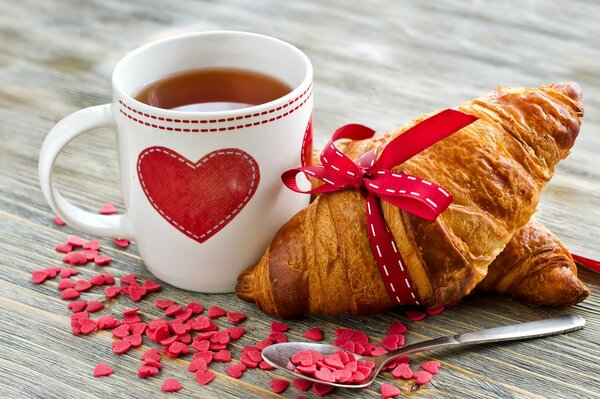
point(279, 355)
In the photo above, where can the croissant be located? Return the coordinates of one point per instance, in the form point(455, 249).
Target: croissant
point(321, 262)
point(535, 267)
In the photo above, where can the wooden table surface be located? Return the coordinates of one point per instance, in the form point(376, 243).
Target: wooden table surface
point(378, 63)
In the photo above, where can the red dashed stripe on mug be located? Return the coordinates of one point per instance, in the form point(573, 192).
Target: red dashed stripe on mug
point(129, 112)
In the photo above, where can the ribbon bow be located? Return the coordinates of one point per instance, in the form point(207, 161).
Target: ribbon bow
point(374, 178)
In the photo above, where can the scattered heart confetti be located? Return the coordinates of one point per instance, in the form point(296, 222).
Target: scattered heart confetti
point(121, 242)
point(422, 377)
point(102, 370)
point(432, 367)
point(278, 386)
point(107, 209)
point(58, 221)
point(171, 385)
point(314, 334)
point(389, 391)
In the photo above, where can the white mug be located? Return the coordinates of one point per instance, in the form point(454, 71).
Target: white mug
point(202, 189)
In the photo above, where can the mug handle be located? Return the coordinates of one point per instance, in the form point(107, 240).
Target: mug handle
point(66, 130)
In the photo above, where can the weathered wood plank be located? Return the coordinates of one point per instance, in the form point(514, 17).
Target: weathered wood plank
point(377, 63)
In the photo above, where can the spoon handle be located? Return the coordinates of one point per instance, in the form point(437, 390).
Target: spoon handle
point(532, 329)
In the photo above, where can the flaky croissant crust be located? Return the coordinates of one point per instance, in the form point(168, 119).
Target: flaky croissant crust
point(321, 262)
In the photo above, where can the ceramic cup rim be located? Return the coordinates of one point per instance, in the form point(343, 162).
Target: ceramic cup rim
point(298, 91)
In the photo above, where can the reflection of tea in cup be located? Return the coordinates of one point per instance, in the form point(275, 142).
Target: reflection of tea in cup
point(212, 89)
point(206, 124)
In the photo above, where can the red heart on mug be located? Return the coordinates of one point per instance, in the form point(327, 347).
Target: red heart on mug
point(198, 198)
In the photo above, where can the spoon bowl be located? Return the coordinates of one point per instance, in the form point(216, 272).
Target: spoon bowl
point(279, 355)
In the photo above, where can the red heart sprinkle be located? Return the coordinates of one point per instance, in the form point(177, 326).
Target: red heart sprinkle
point(222, 337)
point(223, 356)
point(120, 347)
point(75, 258)
point(87, 325)
point(136, 293)
point(163, 304)
point(389, 391)
point(195, 307)
point(177, 348)
point(324, 374)
point(137, 328)
point(108, 209)
point(378, 351)
point(245, 359)
point(145, 371)
point(204, 377)
point(403, 371)
point(334, 361)
point(94, 306)
point(151, 286)
point(65, 283)
point(342, 375)
point(151, 354)
point(134, 340)
point(321, 389)
point(112, 292)
point(235, 333)
point(173, 310)
point(58, 221)
point(422, 377)
point(278, 386)
point(415, 315)
point(77, 306)
point(121, 332)
point(108, 278)
point(277, 326)
point(75, 241)
point(106, 322)
point(432, 367)
point(390, 342)
point(93, 245)
point(70, 293)
point(236, 370)
point(265, 366)
point(90, 254)
point(82, 285)
point(201, 323)
point(235, 317)
point(128, 312)
point(39, 276)
point(184, 315)
point(102, 370)
point(397, 328)
point(132, 318)
point(64, 248)
point(102, 260)
point(198, 364)
point(171, 385)
point(302, 384)
point(201, 345)
point(206, 355)
point(67, 272)
point(97, 280)
point(121, 242)
point(129, 279)
point(215, 311)
point(314, 334)
point(277, 337)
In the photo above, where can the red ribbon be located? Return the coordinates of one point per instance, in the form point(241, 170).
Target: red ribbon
point(590, 263)
point(374, 178)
